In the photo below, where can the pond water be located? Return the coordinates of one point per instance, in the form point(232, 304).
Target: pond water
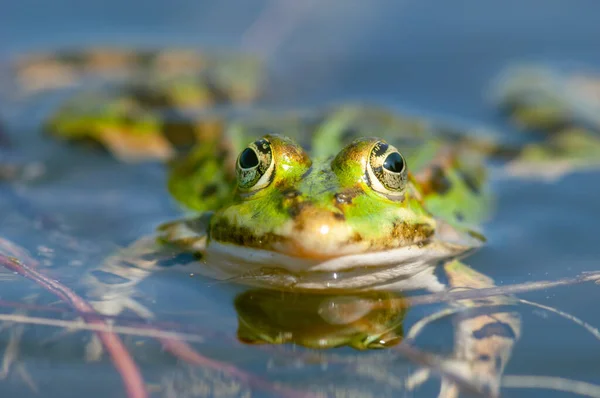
point(423, 56)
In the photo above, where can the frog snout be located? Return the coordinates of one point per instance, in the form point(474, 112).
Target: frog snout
point(319, 233)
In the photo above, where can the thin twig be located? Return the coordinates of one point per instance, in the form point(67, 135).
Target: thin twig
point(500, 290)
point(125, 365)
point(593, 331)
point(479, 293)
point(133, 331)
point(176, 329)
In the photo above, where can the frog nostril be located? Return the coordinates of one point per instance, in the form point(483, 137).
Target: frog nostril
point(343, 198)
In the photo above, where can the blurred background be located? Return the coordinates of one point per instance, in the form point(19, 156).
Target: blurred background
point(432, 54)
point(434, 57)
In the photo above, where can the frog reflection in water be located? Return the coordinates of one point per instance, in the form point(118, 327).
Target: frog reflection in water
point(361, 320)
point(339, 200)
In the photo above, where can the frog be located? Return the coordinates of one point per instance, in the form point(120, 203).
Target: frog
point(291, 215)
point(341, 201)
point(350, 218)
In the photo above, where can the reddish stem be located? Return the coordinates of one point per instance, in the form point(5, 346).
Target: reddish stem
point(132, 378)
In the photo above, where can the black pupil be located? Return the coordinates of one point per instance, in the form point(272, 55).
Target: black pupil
point(394, 162)
point(248, 159)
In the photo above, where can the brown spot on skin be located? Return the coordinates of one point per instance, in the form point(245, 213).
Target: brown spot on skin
point(209, 190)
point(356, 238)
point(290, 194)
point(339, 216)
point(433, 179)
point(223, 231)
point(404, 233)
point(295, 208)
point(291, 202)
point(439, 183)
point(470, 182)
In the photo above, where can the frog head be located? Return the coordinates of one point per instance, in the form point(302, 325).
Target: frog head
point(296, 212)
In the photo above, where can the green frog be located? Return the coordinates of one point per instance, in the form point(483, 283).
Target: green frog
point(339, 200)
point(333, 210)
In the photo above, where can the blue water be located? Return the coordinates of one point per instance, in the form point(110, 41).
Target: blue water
point(424, 56)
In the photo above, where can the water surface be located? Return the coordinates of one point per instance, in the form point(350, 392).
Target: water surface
point(424, 56)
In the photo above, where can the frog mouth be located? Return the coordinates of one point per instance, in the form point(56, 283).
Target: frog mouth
point(270, 268)
point(312, 234)
point(315, 234)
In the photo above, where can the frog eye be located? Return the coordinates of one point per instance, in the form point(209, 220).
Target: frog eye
point(254, 166)
point(248, 159)
point(386, 170)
